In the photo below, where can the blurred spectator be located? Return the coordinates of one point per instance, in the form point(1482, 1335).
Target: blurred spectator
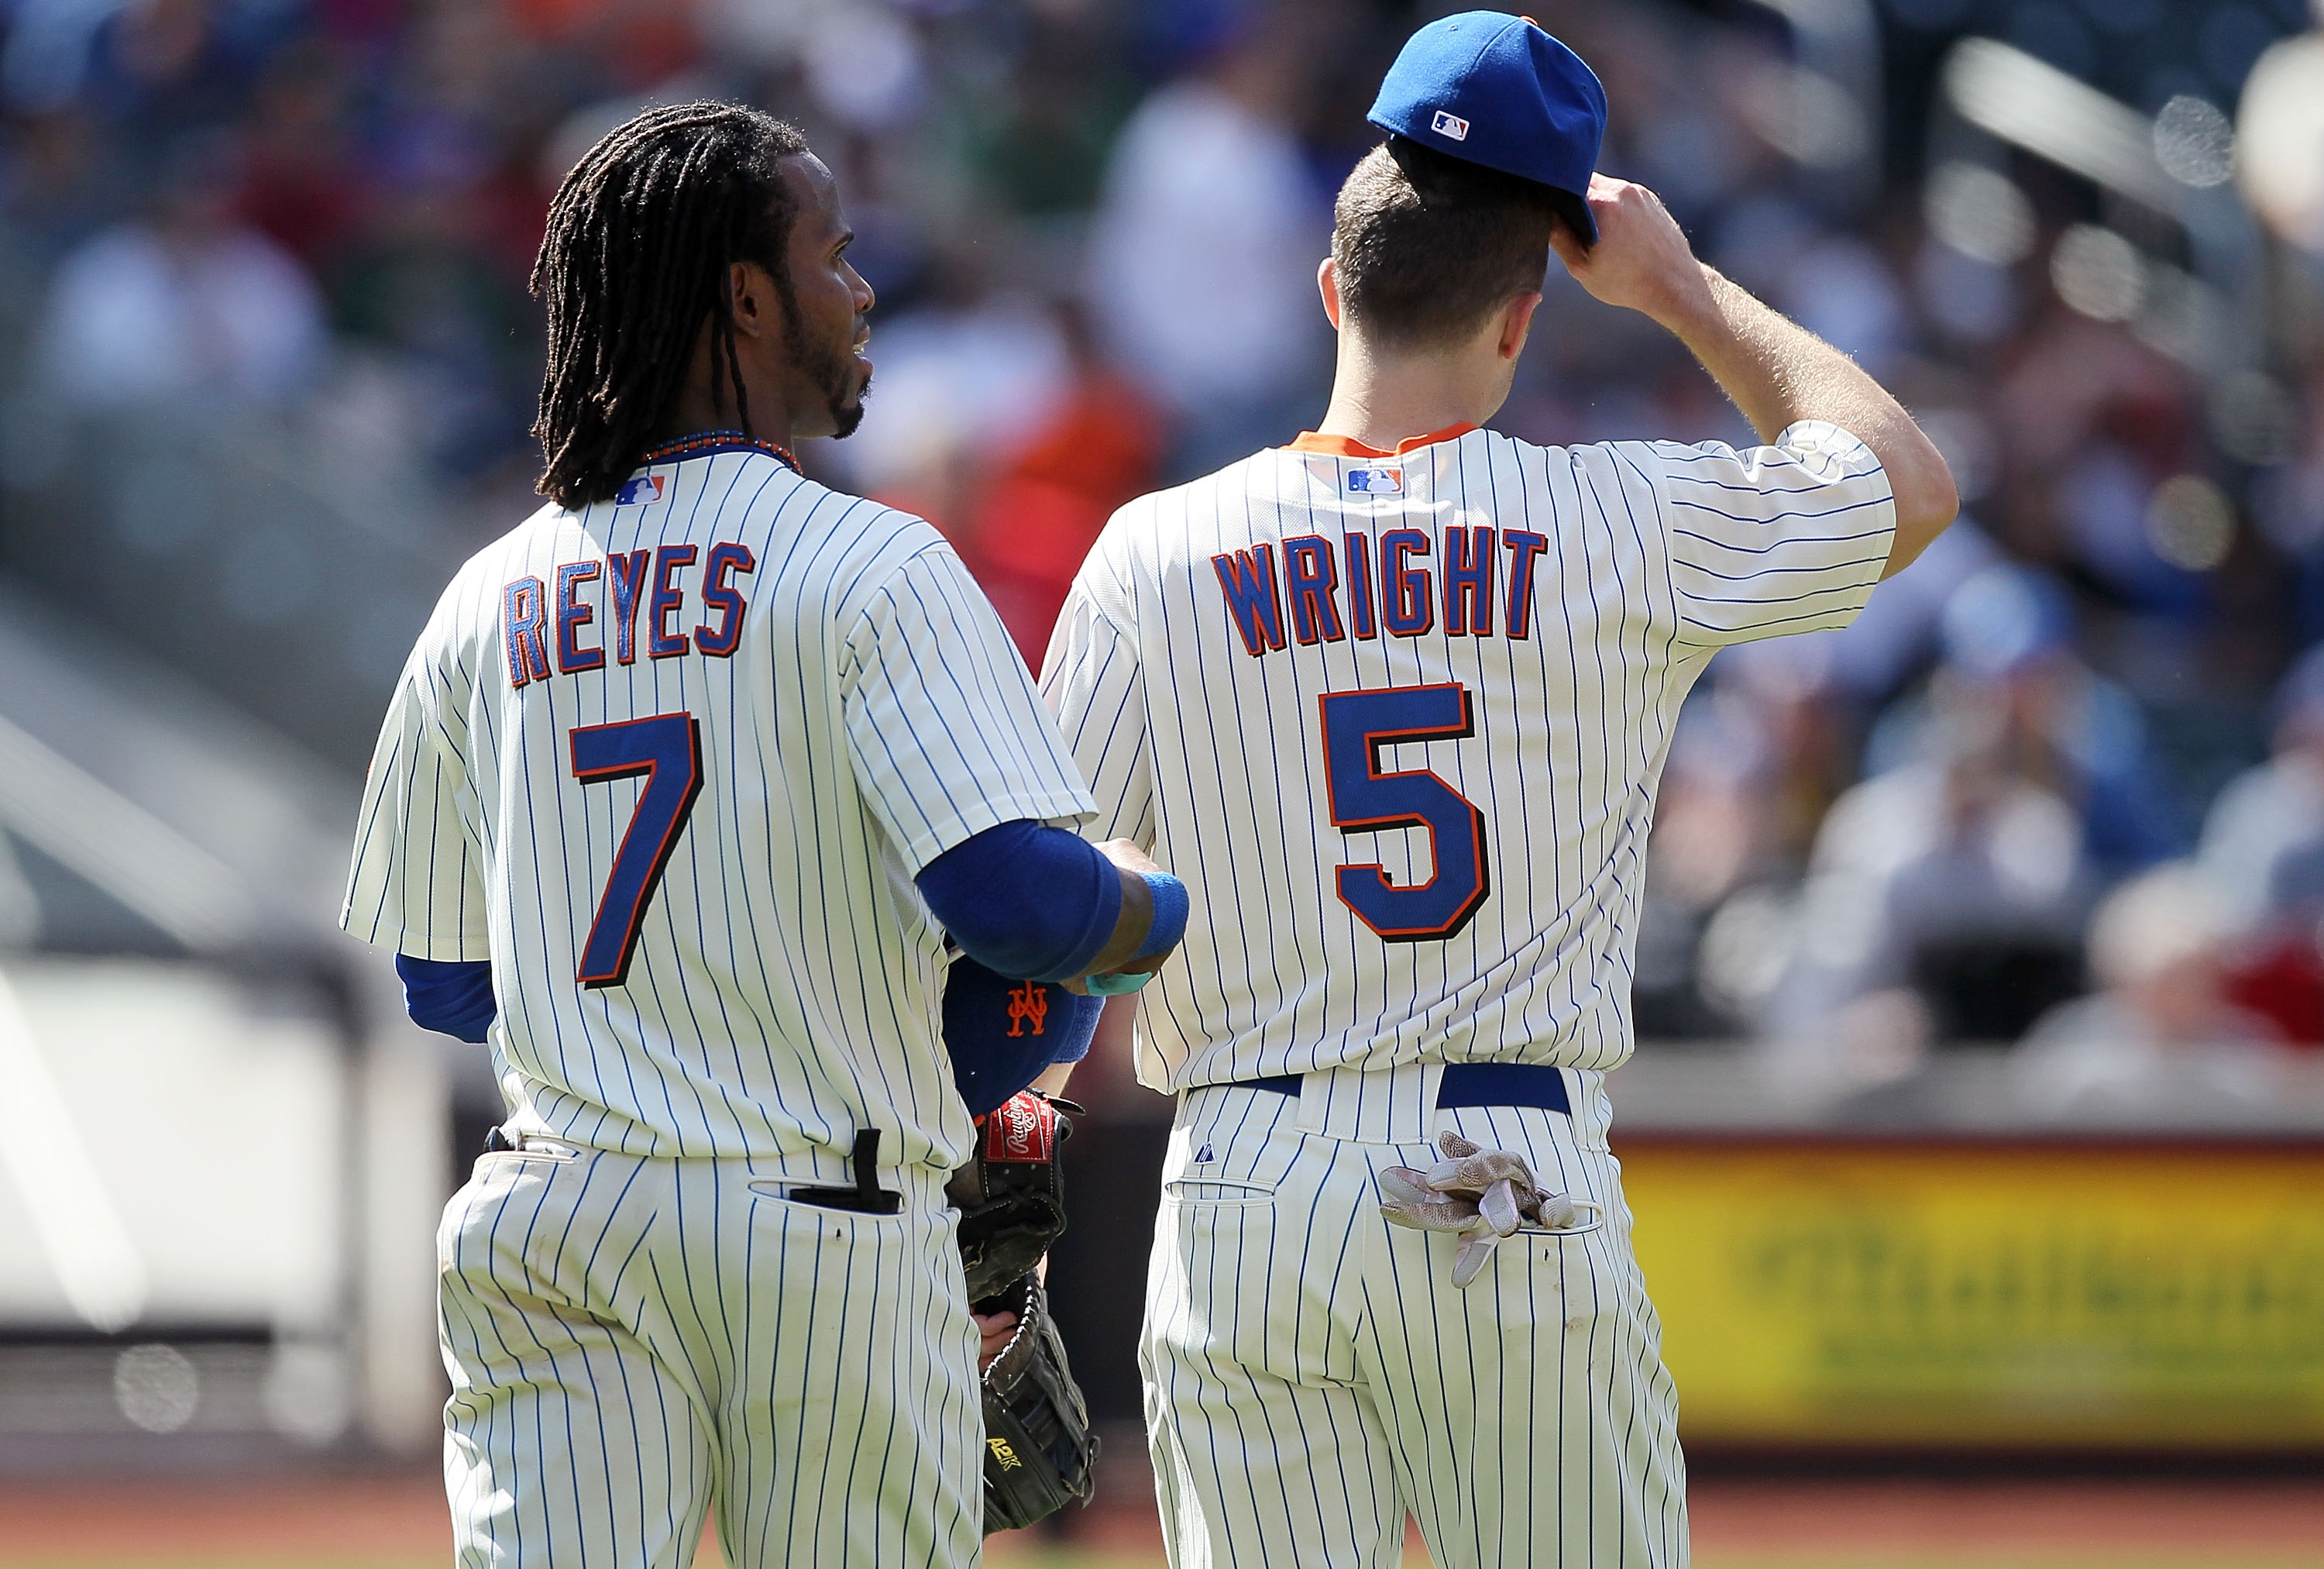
point(2014, 785)
point(964, 379)
point(1100, 444)
point(2263, 848)
point(184, 302)
point(2007, 641)
point(60, 182)
point(156, 71)
point(301, 186)
point(1875, 655)
point(1957, 875)
point(1203, 253)
point(2268, 825)
point(2161, 1039)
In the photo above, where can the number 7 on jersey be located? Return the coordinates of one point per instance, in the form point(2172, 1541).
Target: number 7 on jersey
point(668, 750)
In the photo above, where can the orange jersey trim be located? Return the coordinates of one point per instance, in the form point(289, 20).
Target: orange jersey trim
point(1348, 447)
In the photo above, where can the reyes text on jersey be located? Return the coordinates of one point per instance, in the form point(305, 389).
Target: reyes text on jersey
point(671, 763)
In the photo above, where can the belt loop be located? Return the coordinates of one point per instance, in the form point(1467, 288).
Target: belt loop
point(1395, 1105)
point(1423, 1129)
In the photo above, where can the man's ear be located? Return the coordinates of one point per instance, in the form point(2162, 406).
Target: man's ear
point(1327, 283)
point(756, 309)
point(1517, 322)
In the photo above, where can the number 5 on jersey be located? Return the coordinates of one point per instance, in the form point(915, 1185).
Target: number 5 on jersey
point(668, 750)
point(1366, 801)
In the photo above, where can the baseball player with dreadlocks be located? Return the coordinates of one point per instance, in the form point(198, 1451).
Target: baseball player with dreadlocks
point(686, 785)
point(1394, 699)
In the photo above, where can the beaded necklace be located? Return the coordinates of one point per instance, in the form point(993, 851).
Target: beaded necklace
point(702, 441)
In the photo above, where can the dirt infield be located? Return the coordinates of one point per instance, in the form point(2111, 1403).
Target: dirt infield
point(396, 1521)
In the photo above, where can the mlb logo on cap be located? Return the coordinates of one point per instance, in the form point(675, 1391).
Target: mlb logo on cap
point(1488, 87)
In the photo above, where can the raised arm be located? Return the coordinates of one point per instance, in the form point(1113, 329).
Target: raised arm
point(1776, 372)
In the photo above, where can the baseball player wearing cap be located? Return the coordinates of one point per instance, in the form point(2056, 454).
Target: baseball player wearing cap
point(685, 786)
point(1393, 700)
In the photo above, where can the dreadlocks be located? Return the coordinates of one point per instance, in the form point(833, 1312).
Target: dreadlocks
point(640, 239)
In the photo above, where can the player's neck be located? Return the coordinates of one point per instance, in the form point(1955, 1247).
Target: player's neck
point(706, 399)
point(696, 411)
point(1383, 399)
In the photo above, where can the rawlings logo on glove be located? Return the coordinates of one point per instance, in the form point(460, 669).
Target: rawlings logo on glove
point(1023, 1128)
point(1480, 1195)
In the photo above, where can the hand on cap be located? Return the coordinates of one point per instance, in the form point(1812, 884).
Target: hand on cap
point(1641, 261)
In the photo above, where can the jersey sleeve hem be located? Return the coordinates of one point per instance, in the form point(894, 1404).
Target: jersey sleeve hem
point(1790, 537)
point(1057, 809)
point(459, 947)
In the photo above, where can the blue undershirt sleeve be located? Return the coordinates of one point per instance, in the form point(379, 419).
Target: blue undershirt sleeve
point(1026, 900)
point(453, 996)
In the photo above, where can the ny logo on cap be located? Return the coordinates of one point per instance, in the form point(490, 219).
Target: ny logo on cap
point(1450, 124)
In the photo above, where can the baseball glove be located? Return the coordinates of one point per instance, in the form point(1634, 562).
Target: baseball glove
point(1011, 1194)
point(1038, 1450)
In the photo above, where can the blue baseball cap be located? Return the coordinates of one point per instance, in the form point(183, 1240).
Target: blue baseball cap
point(1492, 88)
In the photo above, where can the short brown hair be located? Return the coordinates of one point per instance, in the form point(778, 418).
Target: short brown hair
point(1425, 245)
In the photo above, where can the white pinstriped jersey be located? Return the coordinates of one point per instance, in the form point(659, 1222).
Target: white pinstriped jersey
point(671, 763)
point(1398, 719)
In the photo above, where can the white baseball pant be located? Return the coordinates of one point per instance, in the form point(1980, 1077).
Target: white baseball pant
point(633, 1342)
point(1312, 1373)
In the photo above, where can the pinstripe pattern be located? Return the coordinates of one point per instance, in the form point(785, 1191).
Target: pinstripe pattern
point(1657, 554)
point(1311, 1372)
point(635, 1342)
point(638, 1332)
point(787, 982)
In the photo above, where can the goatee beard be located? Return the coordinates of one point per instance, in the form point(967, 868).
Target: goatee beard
point(847, 414)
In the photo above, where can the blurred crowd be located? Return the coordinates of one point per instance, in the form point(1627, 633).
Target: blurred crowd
point(2062, 784)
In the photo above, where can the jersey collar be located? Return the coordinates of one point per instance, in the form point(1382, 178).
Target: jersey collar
point(709, 443)
point(1348, 447)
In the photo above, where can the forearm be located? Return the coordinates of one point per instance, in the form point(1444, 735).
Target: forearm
point(1036, 902)
point(1130, 928)
point(1777, 373)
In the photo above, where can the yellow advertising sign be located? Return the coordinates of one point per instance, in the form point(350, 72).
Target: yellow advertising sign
point(1987, 1292)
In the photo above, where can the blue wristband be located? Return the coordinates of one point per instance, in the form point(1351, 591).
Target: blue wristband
point(1171, 905)
point(1170, 908)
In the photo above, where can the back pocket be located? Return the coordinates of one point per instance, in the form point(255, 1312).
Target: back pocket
point(1217, 1190)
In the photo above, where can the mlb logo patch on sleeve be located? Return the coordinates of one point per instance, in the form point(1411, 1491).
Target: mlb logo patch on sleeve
point(1375, 482)
point(641, 491)
point(1448, 125)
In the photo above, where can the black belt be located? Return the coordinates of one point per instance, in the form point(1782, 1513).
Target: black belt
point(866, 1197)
point(1467, 1085)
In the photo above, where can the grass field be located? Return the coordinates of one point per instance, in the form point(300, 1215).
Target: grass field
point(397, 1522)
